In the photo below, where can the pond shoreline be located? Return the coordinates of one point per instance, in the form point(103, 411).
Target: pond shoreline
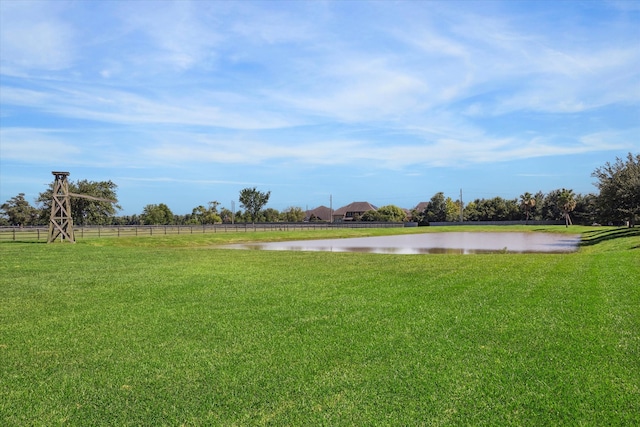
point(431, 243)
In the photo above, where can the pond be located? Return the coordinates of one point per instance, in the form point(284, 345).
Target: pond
point(432, 243)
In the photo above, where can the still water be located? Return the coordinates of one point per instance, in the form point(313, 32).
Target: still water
point(432, 243)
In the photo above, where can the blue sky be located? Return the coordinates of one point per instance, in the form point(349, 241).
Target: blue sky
point(388, 102)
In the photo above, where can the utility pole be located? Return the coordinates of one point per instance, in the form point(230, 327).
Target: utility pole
point(330, 208)
point(233, 211)
point(461, 206)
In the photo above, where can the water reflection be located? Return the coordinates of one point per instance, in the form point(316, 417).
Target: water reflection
point(432, 243)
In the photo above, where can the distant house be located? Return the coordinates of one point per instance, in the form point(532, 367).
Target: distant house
point(420, 207)
point(352, 212)
point(321, 213)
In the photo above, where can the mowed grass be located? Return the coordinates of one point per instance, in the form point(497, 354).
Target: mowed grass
point(172, 331)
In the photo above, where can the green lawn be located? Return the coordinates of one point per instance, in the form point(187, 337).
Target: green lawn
point(172, 331)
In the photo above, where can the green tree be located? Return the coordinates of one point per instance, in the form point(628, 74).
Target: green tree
point(271, 215)
point(539, 201)
point(619, 185)
point(293, 214)
point(227, 216)
point(436, 210)
point(453, 209)
point(566, 203)
point(241, 216)
point(550, 206)
point(126, 220)
point(586, 211)
point(98, 207)
point(370, 216)
point(495, 209)
point(253, 201)
point(19, 211)
point(157, 215)
point(93, 211)
point(391, 213)
point(471, 212)
point(527, 203)
point(210, 215)
point(197, 215)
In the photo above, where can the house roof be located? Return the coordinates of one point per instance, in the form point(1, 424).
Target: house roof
point(421, 206)
point(355, 207)
point(321, 212)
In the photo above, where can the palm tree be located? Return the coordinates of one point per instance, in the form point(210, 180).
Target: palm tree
point(567, 203)
point(527, 202)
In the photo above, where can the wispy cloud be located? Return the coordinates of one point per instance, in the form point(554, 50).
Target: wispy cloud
point(34, 35)
point(41, 146)
point(179, 33)
point(166, 179)
point(358, 88)
point(206, 108)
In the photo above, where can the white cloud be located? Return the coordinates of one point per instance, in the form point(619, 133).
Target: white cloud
point(275, 26)
point(371, 94)
point(249, 150)
point(211, 109)
point(37, 146)
point(178, 32)
point(34, 36)
point(165, 179)
point(410, 84)
point(626, 139)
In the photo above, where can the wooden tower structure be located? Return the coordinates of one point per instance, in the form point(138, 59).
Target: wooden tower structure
point(60, 221)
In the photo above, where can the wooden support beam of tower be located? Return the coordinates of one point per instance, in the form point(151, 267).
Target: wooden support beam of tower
point(60, 221)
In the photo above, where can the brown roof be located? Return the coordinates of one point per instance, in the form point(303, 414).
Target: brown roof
point(321, 212)
point(355, 207)
point(421, 206)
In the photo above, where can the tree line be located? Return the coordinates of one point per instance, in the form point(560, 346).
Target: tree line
point(555, 205)
point(617, 202)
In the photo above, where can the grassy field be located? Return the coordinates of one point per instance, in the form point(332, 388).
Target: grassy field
point(173, 331)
